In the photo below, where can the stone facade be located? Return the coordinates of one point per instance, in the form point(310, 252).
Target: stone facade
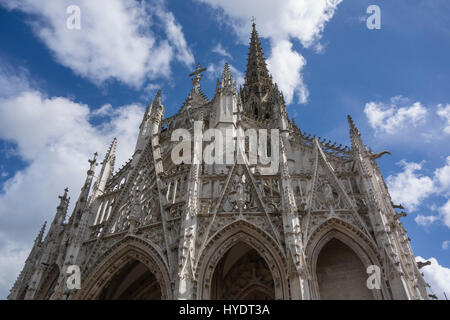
point(155, 229)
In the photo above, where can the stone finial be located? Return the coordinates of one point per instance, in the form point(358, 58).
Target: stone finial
point(40, 235)
point(197, 76)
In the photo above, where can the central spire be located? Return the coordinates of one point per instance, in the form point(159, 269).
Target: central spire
point(257, 72)
point(258, 82)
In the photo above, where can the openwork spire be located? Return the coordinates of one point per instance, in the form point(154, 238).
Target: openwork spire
point(258, 84)
point(256, 64)
point(257, 79)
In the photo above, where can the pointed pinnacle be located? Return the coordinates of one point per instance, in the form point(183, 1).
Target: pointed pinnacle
point(40, 235)
point(157, 99)
point(353, 129)
point(112, 149)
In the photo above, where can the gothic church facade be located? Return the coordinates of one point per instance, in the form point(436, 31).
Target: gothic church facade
point(154, 229)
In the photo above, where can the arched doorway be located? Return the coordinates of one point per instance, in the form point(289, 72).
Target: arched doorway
point(246, 236)
point(242, 274)
point(133, 282)
point(127, 271)
point(341, 274)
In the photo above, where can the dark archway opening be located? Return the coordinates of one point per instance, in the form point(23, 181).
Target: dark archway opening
point(242, 274)
point(133, 282)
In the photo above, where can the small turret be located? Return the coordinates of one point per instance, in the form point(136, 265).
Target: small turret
point(61, 210)
point(107, 170)
point(40, 235)
point(355, 136)
point(82, 201)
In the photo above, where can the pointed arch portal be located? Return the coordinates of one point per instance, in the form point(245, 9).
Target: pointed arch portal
point(133, 282)
point(341, 274)
point(132, 269)
point(242, 274)
point(241, 261)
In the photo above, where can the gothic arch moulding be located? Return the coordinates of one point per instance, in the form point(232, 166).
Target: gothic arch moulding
point(241, 232)
point(119, 255)
point(352, 238)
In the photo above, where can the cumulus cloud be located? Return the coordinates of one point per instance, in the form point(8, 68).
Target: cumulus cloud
point(115, 40)
point(426, 221)
point(54, 136)
point(444, 113)
point(445, 213)
point(288, 64)
point(437, 276)
point(281, 22)
point(401, 119)
point(390, 118)
point(442, 177)
point(410, 187)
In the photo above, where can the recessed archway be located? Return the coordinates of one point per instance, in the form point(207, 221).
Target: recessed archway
point(123, 268)
point(242, 274)
point(355, 241)
point(133, 282)
point(242, 236)
point(341, 274)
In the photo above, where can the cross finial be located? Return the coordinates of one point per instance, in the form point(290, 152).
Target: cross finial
point(94, 160)
point(253, 20)
point(197, 75)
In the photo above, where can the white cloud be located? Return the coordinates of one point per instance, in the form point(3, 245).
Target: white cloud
point(445, 244)
point(288, 64)
point(426, 221)
point(220, 50)
point(12, 81)
point(437, 276)
point(444, 113)
point(115, 41)
point(175, 35)
point(445, 213)
point(55, 136)
point(391, 118)
point(409, 187)
point(281, 22)
point(12, 261)
point(442, 177)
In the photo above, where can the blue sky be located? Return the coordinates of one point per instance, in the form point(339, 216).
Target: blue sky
point(65, 94)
